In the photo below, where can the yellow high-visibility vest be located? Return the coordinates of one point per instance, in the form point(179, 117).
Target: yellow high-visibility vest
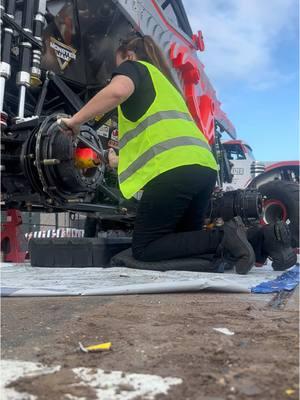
point(165, 137)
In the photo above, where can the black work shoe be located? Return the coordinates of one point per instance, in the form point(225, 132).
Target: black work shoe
point(277, 244)
point(255, 237)
point(236, 244)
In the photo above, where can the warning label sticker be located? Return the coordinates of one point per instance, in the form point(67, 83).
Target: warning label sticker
point(103, 131)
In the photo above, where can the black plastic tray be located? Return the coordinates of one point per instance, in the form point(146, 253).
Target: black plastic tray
point(75, 252)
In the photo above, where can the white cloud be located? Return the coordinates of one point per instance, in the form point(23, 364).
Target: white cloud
point(241, 37)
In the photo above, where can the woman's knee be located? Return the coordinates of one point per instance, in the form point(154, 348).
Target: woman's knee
point(139, 253)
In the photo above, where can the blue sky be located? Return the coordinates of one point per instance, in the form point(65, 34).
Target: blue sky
point(252, 59)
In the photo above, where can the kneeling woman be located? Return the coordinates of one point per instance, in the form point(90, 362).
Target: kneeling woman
point(163, 152)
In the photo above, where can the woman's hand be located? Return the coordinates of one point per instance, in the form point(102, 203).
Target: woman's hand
point(113, 159)
point(68, 126)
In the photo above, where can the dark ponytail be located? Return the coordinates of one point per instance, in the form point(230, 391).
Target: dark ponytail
point(147, 50)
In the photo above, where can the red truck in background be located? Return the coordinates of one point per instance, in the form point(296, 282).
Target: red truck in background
point(278, 182)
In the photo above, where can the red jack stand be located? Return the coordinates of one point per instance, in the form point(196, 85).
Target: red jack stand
point(13, 243)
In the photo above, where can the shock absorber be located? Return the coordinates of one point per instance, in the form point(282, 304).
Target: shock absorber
point(39, 22)
point(23, 76)
point(5, 68)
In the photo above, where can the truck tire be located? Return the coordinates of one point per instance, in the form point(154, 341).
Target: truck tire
point(282, 203)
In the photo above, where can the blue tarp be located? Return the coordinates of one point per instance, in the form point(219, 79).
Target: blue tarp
point(287, 281)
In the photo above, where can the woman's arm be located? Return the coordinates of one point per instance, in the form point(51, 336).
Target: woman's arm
point(120, 88)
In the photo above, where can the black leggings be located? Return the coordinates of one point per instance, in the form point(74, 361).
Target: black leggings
point(171, 214)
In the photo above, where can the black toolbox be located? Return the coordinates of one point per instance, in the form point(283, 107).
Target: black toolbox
point(75, 252)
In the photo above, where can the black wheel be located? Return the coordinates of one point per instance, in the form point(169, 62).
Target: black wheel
point(282, 203)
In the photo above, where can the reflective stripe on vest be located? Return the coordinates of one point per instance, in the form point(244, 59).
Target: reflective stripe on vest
point(158, 149)
point(152, 119)
point(165, 137)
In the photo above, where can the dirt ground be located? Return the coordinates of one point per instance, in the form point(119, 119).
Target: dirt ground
point(168, 335)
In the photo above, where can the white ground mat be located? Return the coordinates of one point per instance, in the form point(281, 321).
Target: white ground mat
point(24, 280)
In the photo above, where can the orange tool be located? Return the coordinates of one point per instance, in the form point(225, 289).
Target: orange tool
point(86, 158)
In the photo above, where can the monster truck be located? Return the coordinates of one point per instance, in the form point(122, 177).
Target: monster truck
point(56, 55)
